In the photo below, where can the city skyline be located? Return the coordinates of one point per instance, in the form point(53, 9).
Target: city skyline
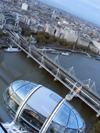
point(86, 9)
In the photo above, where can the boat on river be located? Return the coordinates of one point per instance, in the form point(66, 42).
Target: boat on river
point(11, 49)
point(55, 52)
point(65, 53)
point(37, 109)
point(97, 58)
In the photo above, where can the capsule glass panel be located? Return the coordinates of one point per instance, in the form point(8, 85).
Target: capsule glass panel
point(17, 84)
point(72, 121)
point(55, 128)
point(25, 90)
point(33, 119)
point(62, 116)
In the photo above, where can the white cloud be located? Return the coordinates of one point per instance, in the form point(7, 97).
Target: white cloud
point(93, 3)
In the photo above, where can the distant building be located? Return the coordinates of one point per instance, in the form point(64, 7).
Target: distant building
point(83, 42)
point(9, 21)
point(23, 18)
point(2, 17)
point(24, 6)
point(95, 33)
point(54, 15)
point(8, 0)
point(94, 48)
point(31, 3)
point(70, 36)
point(15, 1)
point(96, 44)
point(65, 22)
point(33, 21)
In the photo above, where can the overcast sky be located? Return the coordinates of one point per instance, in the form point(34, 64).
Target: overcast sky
point(86, 9)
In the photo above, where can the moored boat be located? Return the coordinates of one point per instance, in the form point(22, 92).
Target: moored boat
point(97, 58)
point(65, 53)
point(11, 49)
point(55, 52)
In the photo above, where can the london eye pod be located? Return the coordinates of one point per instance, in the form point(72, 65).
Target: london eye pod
point(37, 109)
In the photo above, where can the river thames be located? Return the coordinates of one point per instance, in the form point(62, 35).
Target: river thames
point(16, 66)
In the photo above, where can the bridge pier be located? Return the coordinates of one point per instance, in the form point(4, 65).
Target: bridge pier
point(56, 77)
point(29, 51)
point(98, 115)
point(42, 62)
point(73, 93)
point(41, 66)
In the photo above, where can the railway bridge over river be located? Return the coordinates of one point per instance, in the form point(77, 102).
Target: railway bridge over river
point(75, 86)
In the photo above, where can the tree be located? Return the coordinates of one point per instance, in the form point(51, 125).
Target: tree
point(79, 47)
point(41, 33)
point(37, 38)
point(61, 41)
point(6, 34)
point(46, 35)
point(52, 38)
point(40, 38)
point(1, 33)
point(96, 127)
point(57, 44)
point(70, 44)
point(27, 32)
point(91, 43)
point(57, 39)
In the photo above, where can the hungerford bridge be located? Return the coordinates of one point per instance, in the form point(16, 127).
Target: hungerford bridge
point(76, 87)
